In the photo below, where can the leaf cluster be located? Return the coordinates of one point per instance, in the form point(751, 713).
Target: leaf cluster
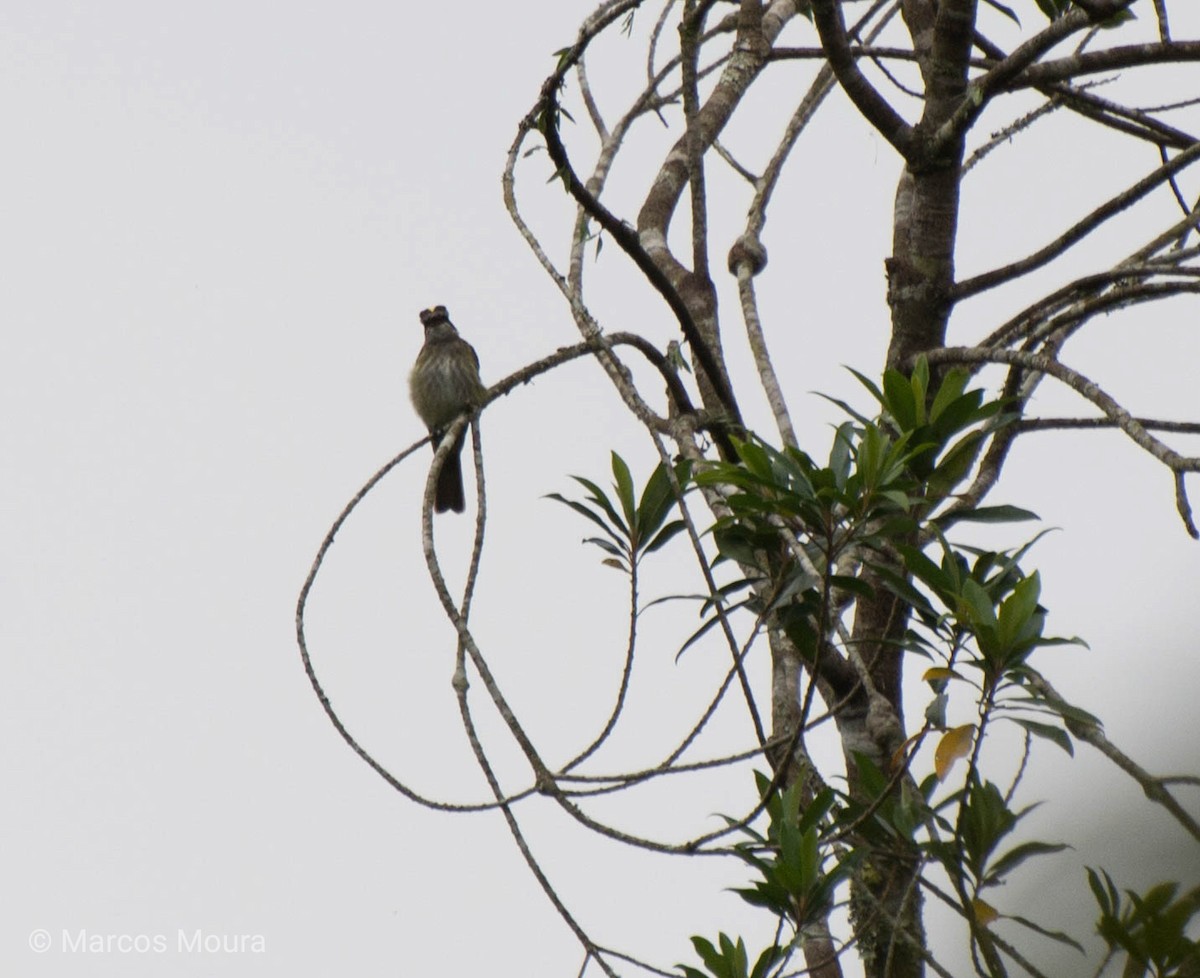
point(1151, 928)
point(634, 525)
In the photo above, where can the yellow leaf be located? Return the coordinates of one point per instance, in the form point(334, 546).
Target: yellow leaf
point(954, 744)
point(985, 913)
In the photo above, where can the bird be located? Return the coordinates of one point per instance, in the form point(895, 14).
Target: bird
point(444, 382)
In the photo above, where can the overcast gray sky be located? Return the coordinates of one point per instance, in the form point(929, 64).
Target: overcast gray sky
point(219, 221)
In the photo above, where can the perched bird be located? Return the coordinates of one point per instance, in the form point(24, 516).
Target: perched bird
point(444, 383)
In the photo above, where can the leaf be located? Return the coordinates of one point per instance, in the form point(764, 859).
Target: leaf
point(992, 514)
point(985, 819)
point(1004, 10)
point(1019, 607)
point(698, 634)
point(852, 585)
point(735, 955)
point(1055, 735)
point(1017, 855)
point(1106, 894)
point(658, 500)
point(1053, 9)
point(604, 545)
point(900, 400)
point(951, 389)
point(624, 486)
point(1117, 19)
point(925, 569)
point(589, 513)
point(756, 460)
point(668, 532)
point(846, 407)
point(873, 782)
point(953, 468)
point(708, 953)
point(840, 453)
point(1054, 935)
point(976, 605)
point(919, 382)
point(766, 961)
point(817, 809)
point(901, 587)
point(985, 913)
point(954, 744)
point(870, 385)
point(600, 498)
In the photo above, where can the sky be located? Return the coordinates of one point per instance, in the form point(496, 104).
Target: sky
point(219, 222)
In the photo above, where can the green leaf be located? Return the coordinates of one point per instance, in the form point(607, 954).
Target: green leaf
point(1117, 19)
point(1054, 935)
point(846, 407)
point(607, 547)
point(1053, 9)
point(901, 587)
point(624, 486)
point(995, 4)
point(1054, 734)
point(992, 514)
point(841, 452)
point(986, 819)
point(976, 604)
point(756, 460)
point(900, 401)
point(698, 634)
point(735, 956)
point(964, 411)
point(817, 809)
point(1017, 855)
point(600, 498)
point(869, 385)
point(873, 781)
point(925, 570)
point(953, 385)
point(766, 961)
point(852, 585)
point(657, 500)
point(1107, 897)
point(668, 532)
point(1019, 620)
point(708, 954)
point(589, 513)
point(1023, 602)
point(955, 465)
point(919, 382)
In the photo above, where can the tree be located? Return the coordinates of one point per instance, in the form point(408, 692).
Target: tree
point(824, 578)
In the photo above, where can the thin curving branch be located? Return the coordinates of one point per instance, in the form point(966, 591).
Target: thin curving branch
point(827, 15)
point(1077, 232)
point(1089, 389)
point(1090, 733)
point(1109, 59)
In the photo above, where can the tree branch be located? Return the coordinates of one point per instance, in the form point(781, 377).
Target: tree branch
point(1079, 230)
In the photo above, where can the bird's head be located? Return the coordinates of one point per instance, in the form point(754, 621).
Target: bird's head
point(434, 316)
